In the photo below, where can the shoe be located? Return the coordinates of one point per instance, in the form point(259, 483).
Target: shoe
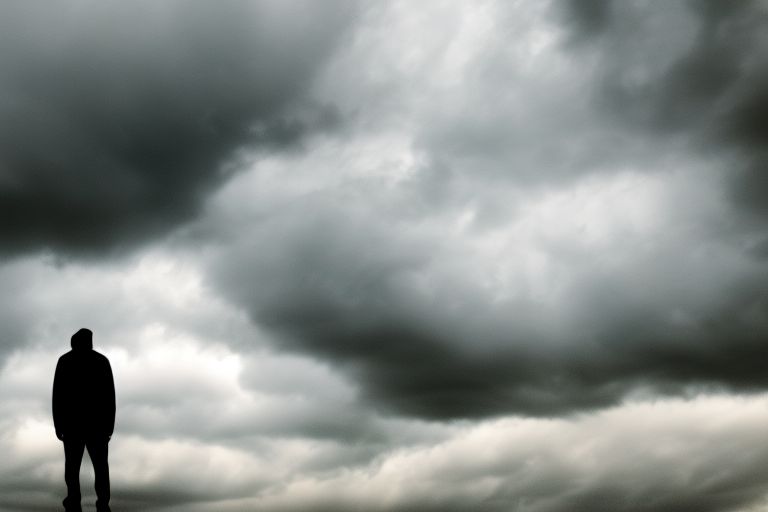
point(69, 506)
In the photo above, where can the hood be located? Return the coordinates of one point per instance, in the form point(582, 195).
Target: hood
point(82, 340)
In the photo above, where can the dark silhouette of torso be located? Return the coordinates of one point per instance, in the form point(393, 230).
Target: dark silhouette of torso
point(83, 394)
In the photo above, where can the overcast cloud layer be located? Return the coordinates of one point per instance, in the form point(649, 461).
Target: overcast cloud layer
point(391, 256)
point(119, 118)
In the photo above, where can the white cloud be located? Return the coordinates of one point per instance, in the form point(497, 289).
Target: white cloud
point(641, 456)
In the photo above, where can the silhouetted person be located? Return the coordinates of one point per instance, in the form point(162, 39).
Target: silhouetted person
point(84, 416)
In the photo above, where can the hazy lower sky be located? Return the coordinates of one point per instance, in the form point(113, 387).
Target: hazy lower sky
point(391, 256)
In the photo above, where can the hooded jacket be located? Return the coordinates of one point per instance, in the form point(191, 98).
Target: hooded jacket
point(83, 391)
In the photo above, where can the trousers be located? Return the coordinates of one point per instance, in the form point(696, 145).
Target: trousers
point(73, 456)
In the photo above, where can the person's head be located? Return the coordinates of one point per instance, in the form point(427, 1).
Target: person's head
point(82, 340)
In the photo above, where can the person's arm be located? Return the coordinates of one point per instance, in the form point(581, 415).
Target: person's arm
point(57, 400)
point(110, 399)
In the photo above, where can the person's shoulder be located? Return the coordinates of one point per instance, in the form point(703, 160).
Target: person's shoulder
point(66, 362)
point(99, 356)
point(66, 356)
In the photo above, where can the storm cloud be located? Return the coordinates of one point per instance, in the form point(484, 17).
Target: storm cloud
point(391, 256)
point(404, 312)
point(538, 268)
point(118, 119)
point(703, 72)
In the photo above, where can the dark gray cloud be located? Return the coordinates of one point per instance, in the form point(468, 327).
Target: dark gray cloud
point(643, 80)
point(697, 67)
point(589, 16)
point(370, 297)
point(119, 118)
point(377, 282)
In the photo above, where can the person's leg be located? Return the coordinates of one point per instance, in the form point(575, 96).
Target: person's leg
point(98, 451)
point(73, 456)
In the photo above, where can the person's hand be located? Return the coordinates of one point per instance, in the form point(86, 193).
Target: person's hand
point(59, 435)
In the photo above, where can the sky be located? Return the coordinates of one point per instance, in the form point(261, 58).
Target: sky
point(391, 256)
